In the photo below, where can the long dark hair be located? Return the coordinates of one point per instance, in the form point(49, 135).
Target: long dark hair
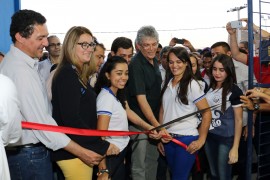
point(197, 74)
point(103, 81)
point(227, 85)
point(183, 55)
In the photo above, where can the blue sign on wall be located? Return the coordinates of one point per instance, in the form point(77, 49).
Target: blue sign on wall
point(7, 9)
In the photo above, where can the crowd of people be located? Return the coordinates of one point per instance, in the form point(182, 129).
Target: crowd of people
point(76, 85)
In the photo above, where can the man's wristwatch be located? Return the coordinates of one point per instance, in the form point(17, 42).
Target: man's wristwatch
point(256, 106)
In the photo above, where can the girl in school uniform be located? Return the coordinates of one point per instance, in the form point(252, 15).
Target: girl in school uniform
point(225, 130)
point(113, 114)
point(182, 94)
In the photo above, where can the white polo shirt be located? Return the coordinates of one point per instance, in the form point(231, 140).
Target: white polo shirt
point(107, 104)
point(174, 109)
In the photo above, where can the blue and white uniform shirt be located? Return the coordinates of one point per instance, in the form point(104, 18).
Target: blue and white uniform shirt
point(222, 123)
point(107, 104)
point(174, 109)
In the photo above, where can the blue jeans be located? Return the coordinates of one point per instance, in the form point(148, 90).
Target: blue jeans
point(30, 163)
point(179, 160)
point(217, 151)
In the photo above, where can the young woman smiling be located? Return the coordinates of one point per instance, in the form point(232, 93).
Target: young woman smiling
point(74, 103)
point(113, 113)
point(182, 94)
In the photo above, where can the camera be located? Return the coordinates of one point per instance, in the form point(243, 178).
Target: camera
point(179, 41)
point(236, 24)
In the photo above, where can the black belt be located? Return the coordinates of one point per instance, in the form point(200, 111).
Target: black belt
point(15, 148)
point(178, 135)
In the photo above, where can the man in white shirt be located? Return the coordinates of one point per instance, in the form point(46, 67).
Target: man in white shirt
point(10, 121)
point(28, 31)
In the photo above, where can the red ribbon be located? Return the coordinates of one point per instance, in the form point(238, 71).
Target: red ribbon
point(76, 131)
point(90, 132)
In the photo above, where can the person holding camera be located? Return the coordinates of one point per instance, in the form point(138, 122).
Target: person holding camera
point(261, 71)
point(184, 42)
point(189, 47)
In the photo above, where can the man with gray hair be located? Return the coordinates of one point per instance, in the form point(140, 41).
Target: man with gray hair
point(144, 88)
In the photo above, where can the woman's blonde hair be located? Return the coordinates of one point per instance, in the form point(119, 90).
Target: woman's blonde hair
point(92, 66)
point(68, 52)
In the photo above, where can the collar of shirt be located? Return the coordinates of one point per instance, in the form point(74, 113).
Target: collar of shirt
point(170, 84)
point(110, 91)
point(145, 61)
point(49, 60)
point(32, 62)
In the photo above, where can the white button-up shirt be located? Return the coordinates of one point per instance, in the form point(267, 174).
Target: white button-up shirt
point(44, 68)
point(10, 121)
point(35, 106)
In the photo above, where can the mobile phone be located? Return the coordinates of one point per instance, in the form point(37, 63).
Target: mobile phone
point(179, 41)
point(236, 24)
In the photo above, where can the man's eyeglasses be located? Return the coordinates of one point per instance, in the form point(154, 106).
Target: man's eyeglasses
point(54, 45)
point(86, 45)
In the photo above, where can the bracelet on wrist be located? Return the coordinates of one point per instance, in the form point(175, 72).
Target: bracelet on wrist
point(102, 171)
